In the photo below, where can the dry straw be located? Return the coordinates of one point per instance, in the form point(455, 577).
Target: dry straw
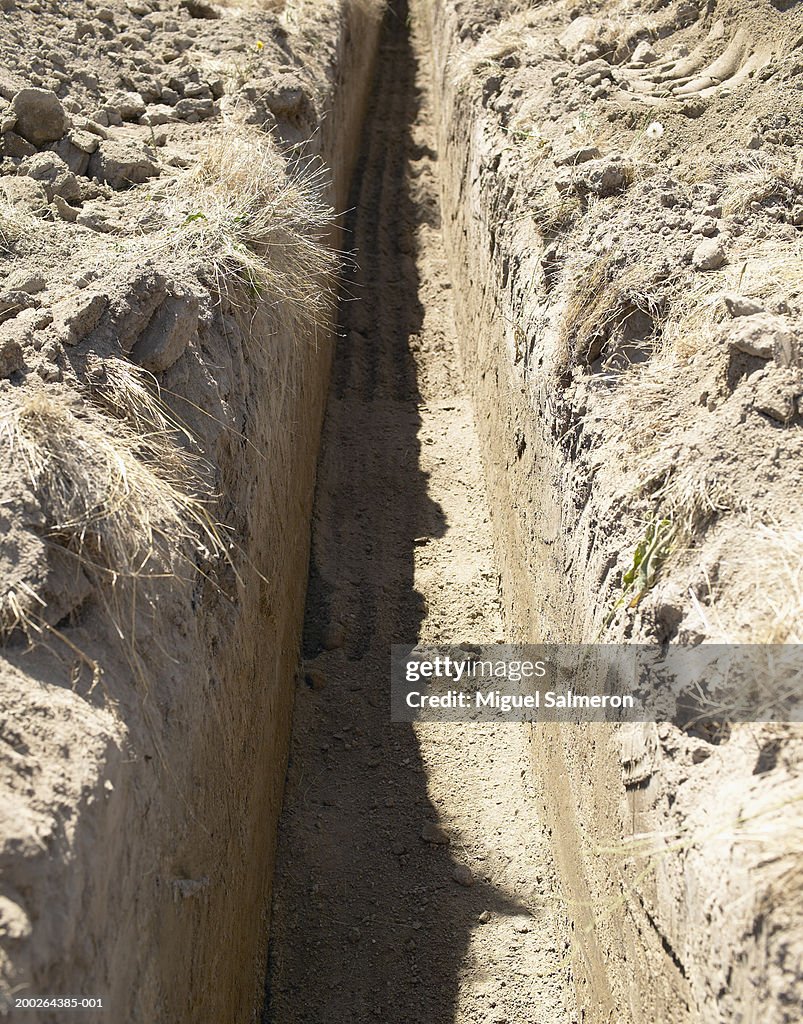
point(118, 500)
point(259, 228)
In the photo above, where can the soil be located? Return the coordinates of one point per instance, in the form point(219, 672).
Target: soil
point(378, 915)
point(572, 327)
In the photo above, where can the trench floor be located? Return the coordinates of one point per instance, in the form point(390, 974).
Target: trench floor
point(369, 922)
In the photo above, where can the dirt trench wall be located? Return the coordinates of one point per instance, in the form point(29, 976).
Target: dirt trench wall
point(683, 934)
point(140, 824)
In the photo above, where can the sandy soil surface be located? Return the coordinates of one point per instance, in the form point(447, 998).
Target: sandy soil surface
point(413, 880)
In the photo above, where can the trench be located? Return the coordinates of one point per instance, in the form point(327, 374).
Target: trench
point(369, 921)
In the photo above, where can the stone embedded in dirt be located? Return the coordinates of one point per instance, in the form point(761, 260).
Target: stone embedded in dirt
point(740, 305)
point(334, 636)
point(354, 935)
point(14, 301)
point(173, 327)
point(709, 255)
point(122, 163)
point(484, 917)
point(77, 317)
point(463, 875)
point(15, 146)
point(764, 336)
point(603, 177)
point(315, 679)
point(578, 155)
point(644, 53)
point(30, 281)
point(128, 105)
point(54, 176)
point(436, 834)
point(777, 394)
point(40, 116)
point(11, 357)
point(398, 849)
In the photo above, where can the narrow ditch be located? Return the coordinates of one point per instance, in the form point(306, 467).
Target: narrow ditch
point(370, 920)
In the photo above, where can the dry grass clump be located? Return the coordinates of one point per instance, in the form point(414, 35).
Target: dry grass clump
point(758, 179)
point(259, 229)
point(601, 298)
point(768, 269)
point(119, 500)
point(768, 577)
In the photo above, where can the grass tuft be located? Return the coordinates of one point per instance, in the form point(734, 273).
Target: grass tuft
point(115, 499)
point(259, 230)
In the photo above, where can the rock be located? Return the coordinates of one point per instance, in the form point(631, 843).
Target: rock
point(435, 834)
point(25, 281)
point(158, 114)
point(334, 636)
point(644, 53)
point(463, 875)
point(484, 917)
point(578, 155)
point(777, 394)
point(709, 255)
point(40, 116)
point(14, 145)
point(11, 357)
point(705, 226)
point(740, 305)
point(54, 175)
point(398, 849)
point(76, 317)
point(173, 326)
point(122, 163)
point(128, 105)
point(13, 302)
point(354, 936)
point(315, 679)
point(763, 336)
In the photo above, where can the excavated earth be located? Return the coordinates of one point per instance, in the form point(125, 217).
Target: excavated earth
point(565, 397)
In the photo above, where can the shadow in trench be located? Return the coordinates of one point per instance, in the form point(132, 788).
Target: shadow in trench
point(368, 923)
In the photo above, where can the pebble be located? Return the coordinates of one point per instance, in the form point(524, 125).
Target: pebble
point(315, 679)
point(463, 875)
point(484, 917)
point(740, 305)
point(432, 833)
point(709, 255)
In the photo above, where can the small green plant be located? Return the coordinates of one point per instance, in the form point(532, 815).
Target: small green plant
point(649, 557)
